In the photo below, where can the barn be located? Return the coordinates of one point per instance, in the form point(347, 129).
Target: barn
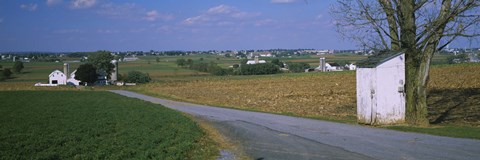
point(57, 77)
point(380, 89)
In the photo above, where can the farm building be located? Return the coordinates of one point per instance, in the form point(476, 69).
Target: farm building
point(380, 89)
point(351, 67)
point(72, 81)
point(256, 61)
point(333, 67)
point(57, 77)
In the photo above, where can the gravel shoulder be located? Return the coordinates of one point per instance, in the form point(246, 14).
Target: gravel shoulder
point(270, 136)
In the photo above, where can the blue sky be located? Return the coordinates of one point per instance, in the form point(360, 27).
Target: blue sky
point(122, 25)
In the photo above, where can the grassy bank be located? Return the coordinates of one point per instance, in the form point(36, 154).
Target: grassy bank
point(95, 125)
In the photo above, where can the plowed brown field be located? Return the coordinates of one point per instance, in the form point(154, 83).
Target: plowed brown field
point(454, 93)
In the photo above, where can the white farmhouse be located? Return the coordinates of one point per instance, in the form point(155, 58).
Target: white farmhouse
point(57, 77)
point(380, 89)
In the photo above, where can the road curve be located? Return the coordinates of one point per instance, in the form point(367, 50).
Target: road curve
point(269, 136)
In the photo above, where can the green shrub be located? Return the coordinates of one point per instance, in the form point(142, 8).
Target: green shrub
point(259, 69)
point(18, 67)
point(137, 77)
point(298, 67)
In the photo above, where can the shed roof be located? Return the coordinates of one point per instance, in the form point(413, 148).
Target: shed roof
point(376, 60)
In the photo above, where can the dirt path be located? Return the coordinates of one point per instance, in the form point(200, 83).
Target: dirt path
point(269, 136)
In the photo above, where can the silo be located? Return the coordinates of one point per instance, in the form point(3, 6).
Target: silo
point(322, 64)
point(65, 69)
point(114, 76)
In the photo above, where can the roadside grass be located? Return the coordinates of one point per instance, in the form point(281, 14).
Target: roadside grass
point(448, 130)
point(95, 125)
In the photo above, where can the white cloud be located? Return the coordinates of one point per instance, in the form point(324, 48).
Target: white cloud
point(79, 4)
point(154, 15)
point(29, 7)
point(53, 2)
point(283, 1)
point(196, 19)
point(319, 17)
point(221, 9)
point(221, 15)
point(133, 12)
point(120, 11)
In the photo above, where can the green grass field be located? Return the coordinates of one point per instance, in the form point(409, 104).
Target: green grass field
point(95, 125)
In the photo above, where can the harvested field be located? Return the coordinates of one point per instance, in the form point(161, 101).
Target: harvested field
point(454, 94)
point(310, 95)
point(325, 95)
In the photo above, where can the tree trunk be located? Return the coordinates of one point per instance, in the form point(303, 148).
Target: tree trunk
point(416, 75)
point(416, 66)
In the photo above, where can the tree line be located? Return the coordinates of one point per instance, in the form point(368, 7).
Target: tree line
point(6, 73)
point(241, 69)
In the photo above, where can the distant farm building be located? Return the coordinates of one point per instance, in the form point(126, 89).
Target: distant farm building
point(60, 78)
point(380, 89)
point(57, 77)
point(351, 67)
point(256, 61)
point(333, 67)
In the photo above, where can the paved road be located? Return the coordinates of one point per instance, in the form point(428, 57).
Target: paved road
point(269, 136)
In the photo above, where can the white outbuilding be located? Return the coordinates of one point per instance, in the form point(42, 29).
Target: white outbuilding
point(72, 81)
point(57, 77)
point(381, 89)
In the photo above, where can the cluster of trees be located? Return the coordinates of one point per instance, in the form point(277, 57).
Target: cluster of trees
point(100, 62)
point(459, 58)
point(258, 69)
point(201, 66)
point(136, 77)
point(243, 69)
point(6, 73)
point(298, 67)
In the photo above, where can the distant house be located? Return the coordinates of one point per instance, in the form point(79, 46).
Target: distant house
point(102, 78)
point(57, 77)
point(380, 89)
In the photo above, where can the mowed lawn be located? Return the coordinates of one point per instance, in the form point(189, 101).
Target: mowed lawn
point(95, 125)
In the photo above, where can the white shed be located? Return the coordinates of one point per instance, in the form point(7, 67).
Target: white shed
point(57, 77)
point(380, 89)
